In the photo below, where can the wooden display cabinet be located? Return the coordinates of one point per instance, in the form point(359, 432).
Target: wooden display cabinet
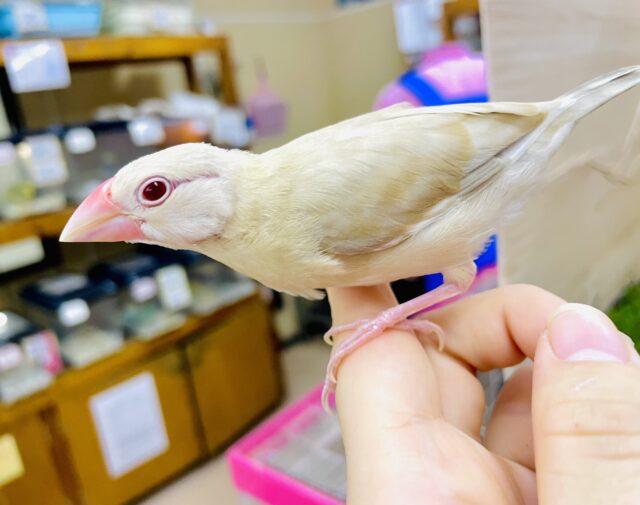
point(235, 374)
point(39, 482)
point(212, 377)
point(96, 485)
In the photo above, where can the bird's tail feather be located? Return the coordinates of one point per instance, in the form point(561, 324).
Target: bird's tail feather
point(570, 107)
point(587, 97)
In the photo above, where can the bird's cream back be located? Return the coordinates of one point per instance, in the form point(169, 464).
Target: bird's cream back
point(359, 187)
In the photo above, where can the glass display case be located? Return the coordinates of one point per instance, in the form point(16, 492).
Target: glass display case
point(32, 176)
point(213, 285)
point(22, 370)
point(96, 153)
point(155, 295)
point(83, 312)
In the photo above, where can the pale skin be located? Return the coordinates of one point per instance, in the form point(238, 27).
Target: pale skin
point(564, 432)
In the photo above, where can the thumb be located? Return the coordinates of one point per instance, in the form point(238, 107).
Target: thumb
point(586, 411)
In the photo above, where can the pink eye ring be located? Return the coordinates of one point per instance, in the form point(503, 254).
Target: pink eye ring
point(154, 191)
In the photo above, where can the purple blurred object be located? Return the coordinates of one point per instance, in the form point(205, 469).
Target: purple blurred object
point(267, 111)
point(449, 74)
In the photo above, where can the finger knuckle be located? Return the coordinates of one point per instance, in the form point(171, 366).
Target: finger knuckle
point(594, 418)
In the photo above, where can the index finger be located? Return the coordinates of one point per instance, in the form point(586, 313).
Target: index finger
point(493, 329)
point(394, 362)
point(497, 328)
point(387, 393)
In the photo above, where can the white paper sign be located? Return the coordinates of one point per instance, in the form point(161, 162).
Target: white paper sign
point(129, 422)
point(36, 65)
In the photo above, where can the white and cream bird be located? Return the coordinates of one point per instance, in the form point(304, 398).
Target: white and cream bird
point(392, 194)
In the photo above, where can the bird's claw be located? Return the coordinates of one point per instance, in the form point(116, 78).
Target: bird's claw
point(341, 328)
point(366, 330)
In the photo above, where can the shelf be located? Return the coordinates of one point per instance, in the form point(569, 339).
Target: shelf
point(45, 225)
point(112, 50)
point(134, 351)
point(122, 49)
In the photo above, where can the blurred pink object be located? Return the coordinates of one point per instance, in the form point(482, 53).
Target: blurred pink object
point(449, 74)
point(267, 110)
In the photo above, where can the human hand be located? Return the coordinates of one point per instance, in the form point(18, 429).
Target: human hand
point(563, 432)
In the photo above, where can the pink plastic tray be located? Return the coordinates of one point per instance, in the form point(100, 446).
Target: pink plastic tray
point(263, 482)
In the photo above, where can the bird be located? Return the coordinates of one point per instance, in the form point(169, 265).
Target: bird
point(396, 193)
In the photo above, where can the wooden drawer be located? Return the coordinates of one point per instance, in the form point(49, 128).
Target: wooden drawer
point(101, 417)
point(235, 372)
point(39, 483)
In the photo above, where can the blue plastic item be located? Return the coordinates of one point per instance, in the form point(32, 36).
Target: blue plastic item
point(74, 19)
point(413, 81)
point(64, 19)
point(488, 259)
point(9, 24)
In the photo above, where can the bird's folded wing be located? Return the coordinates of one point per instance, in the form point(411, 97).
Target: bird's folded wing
point(375, 178)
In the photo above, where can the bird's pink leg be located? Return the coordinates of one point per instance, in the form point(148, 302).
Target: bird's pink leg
point(395, 317)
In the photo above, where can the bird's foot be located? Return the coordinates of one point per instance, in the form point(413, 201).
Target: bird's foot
point(366, 330)
point(403, 317)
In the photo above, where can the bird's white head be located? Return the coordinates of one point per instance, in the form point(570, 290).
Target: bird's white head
point(177, 197)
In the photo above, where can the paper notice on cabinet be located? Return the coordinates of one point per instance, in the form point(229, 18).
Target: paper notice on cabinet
point(11, 466)
point(129, 423)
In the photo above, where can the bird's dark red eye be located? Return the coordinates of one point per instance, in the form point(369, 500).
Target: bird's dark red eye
point(154, 191)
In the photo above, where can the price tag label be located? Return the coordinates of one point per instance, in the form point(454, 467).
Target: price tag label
point(174, 290)
point(30, 17)
point(146, 131)
point(42, 348)
point(143, 289)
point(11, 466)
point(74, 312)
point(36, 65)
point(47, 166)
point(80, 140)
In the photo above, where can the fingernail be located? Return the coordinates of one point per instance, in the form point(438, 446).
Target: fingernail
point(581, 333)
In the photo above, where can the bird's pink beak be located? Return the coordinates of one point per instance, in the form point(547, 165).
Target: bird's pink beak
point(98, 219)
